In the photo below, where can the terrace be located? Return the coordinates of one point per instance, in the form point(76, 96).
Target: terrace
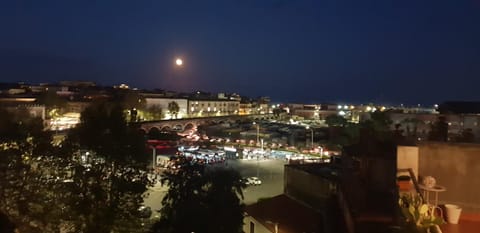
point(453, 166)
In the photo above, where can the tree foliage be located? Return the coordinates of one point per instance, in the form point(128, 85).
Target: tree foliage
point(50, 189)
point(201, 200)
point(51, 100)
point(335, 120)
point(372, 137)
point(173, 108)
point(103, 129)
point(439, 130)
point(155, 112)
point(131, 101)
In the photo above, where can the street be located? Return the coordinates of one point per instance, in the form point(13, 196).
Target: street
point(270, 173)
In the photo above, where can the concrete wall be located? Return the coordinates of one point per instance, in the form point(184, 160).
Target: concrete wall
point(407, 157)
point(455, 166)
point(306, 187)
point(257, 226)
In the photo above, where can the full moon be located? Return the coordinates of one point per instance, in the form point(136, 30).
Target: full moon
point(179, 62)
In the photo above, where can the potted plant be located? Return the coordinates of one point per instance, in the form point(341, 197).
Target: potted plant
point(420, 217)
point(404, 183)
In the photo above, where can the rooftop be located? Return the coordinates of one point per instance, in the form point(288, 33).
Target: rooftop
point(290, 215)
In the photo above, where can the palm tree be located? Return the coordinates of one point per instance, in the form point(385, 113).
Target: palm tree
point(173, 108)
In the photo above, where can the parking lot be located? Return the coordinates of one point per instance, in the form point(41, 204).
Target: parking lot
point(270, 172)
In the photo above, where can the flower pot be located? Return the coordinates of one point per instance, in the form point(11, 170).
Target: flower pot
point(404, 185)
point(453, 213)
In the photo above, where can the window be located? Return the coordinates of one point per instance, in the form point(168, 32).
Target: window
point(252, 227)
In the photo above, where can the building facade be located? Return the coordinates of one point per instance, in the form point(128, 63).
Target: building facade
point(163, 104)
point(213, 107)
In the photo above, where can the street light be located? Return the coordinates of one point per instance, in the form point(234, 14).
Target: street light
point(311, 130)
point(258, 131)
point(154, 153)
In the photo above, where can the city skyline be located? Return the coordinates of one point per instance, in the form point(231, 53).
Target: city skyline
point(292, 51)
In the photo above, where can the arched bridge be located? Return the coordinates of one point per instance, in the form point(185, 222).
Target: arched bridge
point(189, 123)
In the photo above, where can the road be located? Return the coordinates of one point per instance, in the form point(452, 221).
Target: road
point(270, 173)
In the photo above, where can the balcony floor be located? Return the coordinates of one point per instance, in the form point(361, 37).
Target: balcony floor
point(469, 223)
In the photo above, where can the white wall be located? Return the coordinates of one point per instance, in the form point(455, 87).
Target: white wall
point(200, 108)
point(407, 157)
point(163, 103)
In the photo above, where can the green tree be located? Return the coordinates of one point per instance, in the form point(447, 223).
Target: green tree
point(156, 112)
point(25, 197)
point(381, 121)
point(439, 130)
point(103, 129)
point(120, 181)
point(196, 196)
point(173, 108)
point(131, 101)
point(335, 120)
point(278, 111)
point(368, 132)
point(54, 104)
point(52, 190)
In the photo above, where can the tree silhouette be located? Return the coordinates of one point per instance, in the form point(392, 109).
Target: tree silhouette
point(439, 130)
point(51, 189)
point(173, 108)
point(52, 101)
point(103, 129)
point(120, 181)
point(335, 120)
point(156, 112)
point(129, 100)
point(201, 200)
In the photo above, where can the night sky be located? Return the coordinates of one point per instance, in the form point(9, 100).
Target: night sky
point(409, 51)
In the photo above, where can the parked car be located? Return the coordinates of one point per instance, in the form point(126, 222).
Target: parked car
point(144, 212)
point(253, 181)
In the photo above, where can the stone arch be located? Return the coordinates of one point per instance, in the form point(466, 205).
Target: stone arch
point(142, 131)
point(178, 127)
point(153, 133)
point(189, 125)
point(166, 128)
point(153, 129)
